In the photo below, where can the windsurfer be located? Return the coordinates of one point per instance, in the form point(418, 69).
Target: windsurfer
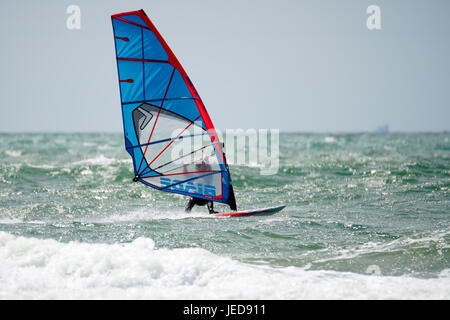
point(202, 165)
point(200, 202)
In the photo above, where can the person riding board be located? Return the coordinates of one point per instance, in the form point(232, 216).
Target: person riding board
point(200, 202)
point(203, 165)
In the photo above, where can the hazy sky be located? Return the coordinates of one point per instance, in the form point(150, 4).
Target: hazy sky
point(310, 66)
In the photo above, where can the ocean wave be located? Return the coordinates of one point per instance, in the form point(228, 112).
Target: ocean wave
point(151, 214)
point(13, 153)
point(101, 160)
point(47, 269)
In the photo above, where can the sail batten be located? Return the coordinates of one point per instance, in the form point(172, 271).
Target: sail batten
point(162, 113)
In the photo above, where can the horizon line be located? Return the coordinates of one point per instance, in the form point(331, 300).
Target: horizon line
point(281, 131)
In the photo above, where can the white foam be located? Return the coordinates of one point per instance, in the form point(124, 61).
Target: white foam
point(151, 214)
point(41, 166)
point(46, 269)
point(101, 160)
point(4, 220)
point(13, 153)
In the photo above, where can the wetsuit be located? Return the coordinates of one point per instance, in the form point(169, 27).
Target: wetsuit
point(201, 166)
point(200, 202)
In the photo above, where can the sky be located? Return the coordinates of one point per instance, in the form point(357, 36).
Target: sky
point(306, 65)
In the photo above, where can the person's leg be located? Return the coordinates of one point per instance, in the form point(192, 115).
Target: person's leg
point(210, 205)
point(190, 205)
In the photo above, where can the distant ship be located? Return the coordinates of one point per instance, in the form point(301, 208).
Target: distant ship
point(382, 129)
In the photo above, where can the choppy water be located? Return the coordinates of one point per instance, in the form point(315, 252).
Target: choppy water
point(367, 217)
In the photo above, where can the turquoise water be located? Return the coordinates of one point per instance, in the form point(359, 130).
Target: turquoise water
point(363, 211)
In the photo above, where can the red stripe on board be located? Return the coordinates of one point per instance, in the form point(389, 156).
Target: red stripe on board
point(128, 80)
point(122, 38)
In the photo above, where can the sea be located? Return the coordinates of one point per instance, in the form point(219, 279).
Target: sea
point(367, 217)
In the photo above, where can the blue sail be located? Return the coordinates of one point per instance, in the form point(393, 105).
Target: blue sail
point(167, 130)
